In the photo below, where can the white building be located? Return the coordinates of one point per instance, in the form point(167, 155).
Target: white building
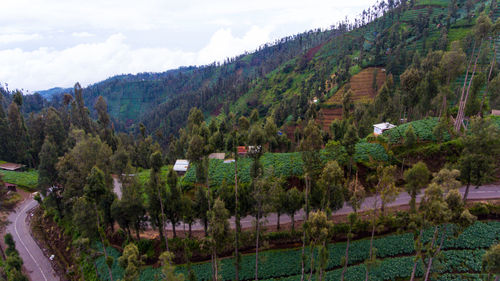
point(378, 129)
point(181, 166)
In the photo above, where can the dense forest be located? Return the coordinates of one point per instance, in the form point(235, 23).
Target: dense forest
point(303, 109)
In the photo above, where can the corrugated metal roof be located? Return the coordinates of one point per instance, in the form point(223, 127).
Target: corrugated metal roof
point(181, 165)
point(384, 126)
point(10, 166)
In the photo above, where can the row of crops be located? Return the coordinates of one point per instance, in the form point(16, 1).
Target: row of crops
point(423, 130)
point(282, 164)
point(28, 179)
point(455, 261)
point(461, 255)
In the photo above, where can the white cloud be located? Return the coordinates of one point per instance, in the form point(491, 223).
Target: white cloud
point(42, 39)
point(17, 37)
point(82, 34)
point(88, 63)
point(223, 44)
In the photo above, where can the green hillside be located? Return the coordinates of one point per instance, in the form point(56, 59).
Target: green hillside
point(281, 78)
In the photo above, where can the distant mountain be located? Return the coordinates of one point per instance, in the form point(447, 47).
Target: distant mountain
point(281, 79)
point(48, 94)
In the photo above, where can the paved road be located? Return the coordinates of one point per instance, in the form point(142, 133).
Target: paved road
point(484, 192)
point(36, 263)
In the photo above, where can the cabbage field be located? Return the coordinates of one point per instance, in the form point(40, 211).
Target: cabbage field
point(283, 164)
point(461, 259)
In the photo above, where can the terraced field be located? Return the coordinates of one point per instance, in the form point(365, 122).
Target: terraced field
point(327, 115)
point(361, 85)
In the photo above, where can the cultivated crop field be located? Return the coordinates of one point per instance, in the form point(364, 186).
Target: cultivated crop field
point(283, 165)
point(27, 179)
point(423, 130)
point(461, 257)
point(361, 86)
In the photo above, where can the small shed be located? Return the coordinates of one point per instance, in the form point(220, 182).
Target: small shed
point(11, 167)
point(242, 151)
point(227, 161)
point(219, 156)
point(378, 129)
point(495, 112)
point(181, 166)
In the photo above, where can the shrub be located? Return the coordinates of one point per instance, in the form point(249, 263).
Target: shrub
point(480, 210)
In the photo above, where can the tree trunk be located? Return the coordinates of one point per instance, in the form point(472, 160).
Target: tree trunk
point(237, 221)
point(160, 227)
point(137, 233)
point(304, 230)
point(163, 229)
point(129, 234)
point(103, 245)
point(346, 255)
point(302, 263)
point(370, 256)
point(457, 126)
point(466, 193)
point(95, 268)
point(413, 202)
point(489, 77)
point(414, 270)
point(311, 264)
point(307, 197)
point(461, 112)
point(189, 229)
point(416, 260)
point(278, 223)
point(257, 244)
point(429, 265)
point(293, 222)
point(173, 229)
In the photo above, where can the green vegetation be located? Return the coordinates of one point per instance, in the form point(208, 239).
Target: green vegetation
point(462, 255)
point(283, 165)
point(12, 264)
point(143, 174)
point(303, 153)
point(423, 130)
point(27, 179)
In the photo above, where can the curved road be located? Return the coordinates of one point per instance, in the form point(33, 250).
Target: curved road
point(36, 263)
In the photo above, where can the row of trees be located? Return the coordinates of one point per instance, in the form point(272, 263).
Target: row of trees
point(12, 264)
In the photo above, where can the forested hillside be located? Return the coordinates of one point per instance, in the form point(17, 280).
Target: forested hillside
point(292, 128)
point(281, 79)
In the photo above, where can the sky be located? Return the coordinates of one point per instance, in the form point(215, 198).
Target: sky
point(55, 43)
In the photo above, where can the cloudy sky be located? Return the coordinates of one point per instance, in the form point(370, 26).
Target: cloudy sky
point(54, 43)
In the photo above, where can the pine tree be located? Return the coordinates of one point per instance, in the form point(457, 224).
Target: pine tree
point(47, 172)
